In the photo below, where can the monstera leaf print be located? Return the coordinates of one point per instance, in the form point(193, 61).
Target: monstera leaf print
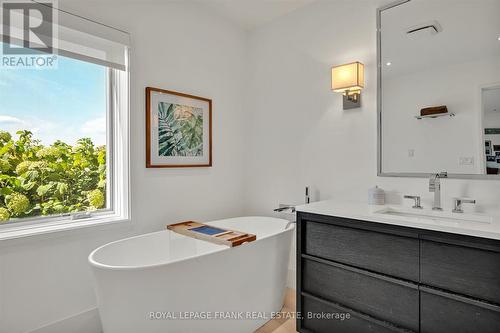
point(180, 130)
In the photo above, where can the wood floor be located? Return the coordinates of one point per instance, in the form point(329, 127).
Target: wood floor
point(282, 325)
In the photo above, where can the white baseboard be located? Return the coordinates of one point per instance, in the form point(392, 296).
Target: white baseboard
point(84, 322)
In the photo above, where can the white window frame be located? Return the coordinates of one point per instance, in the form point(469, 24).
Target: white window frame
point(117, 173)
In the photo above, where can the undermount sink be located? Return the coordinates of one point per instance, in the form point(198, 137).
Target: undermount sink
point(431, 216)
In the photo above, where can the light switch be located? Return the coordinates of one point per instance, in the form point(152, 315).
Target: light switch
point(411, 152)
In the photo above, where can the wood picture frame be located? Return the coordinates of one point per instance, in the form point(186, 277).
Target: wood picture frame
point(170, 116)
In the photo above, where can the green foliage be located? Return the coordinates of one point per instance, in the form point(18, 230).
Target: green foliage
point(96, 199)
point(4, 166)
point(38, 180)
point(5, 136)
point(4, 214)
point(180, 130)
point(17, 203)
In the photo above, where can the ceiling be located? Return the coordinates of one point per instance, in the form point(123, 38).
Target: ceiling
point(248, 14)
point(251, 14)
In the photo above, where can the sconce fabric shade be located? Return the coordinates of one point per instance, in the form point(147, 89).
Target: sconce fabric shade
point(348, 77)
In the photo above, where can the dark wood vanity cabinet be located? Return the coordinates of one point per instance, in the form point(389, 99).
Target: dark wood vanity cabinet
point(388, 278)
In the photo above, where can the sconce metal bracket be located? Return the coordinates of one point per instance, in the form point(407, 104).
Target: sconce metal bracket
point(352, 101)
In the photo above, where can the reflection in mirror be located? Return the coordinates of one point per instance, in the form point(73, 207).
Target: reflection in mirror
point(439, 67)
point(491, 128)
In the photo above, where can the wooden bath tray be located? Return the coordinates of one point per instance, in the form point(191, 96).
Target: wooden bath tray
point(211, 234)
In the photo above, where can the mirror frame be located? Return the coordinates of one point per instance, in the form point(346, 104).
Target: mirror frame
point(380, 173)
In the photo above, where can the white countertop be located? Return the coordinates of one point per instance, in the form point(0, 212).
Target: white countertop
point(479, 225)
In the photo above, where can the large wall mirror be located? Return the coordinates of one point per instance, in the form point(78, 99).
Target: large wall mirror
point(439, 88)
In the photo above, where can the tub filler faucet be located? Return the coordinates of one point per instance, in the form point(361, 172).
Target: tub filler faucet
point(283, 208)
point(291, 208)
point(435, 186)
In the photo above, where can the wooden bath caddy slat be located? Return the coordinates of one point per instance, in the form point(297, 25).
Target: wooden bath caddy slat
point(212, 234)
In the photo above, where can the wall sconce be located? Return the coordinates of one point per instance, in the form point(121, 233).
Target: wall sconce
point(349, 79)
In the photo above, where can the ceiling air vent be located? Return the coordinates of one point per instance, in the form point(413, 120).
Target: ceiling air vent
point(429, 28)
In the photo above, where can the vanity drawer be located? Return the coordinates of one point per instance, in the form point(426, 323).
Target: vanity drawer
point(464, 270)
point(377, 296)
point(355, 323)
point(380, 252)
point(442, 312)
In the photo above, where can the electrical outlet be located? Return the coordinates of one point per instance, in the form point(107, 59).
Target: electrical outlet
point(411, 152)
point(466, 161)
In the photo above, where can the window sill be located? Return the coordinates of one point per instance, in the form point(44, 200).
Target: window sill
point(15, 232)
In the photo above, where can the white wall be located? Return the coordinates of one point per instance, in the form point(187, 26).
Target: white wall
point(491, 102)
point(178, 47)
point(297, 132)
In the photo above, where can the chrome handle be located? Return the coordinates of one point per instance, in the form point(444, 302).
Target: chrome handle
point(472, 201)
point(459, 202)
point(417, 204)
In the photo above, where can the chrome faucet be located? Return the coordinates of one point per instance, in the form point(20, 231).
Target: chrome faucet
point(435, 186)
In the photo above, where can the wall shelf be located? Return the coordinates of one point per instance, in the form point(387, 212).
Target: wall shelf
point(451, 114)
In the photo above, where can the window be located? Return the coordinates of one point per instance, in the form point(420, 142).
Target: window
point(64, 132)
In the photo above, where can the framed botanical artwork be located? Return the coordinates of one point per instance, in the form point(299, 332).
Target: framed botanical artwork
point(178, 130)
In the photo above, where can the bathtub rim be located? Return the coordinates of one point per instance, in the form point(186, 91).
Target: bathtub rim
point(98, 265)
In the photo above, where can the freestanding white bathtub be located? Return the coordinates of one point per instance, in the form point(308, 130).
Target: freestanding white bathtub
point(166, 282)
